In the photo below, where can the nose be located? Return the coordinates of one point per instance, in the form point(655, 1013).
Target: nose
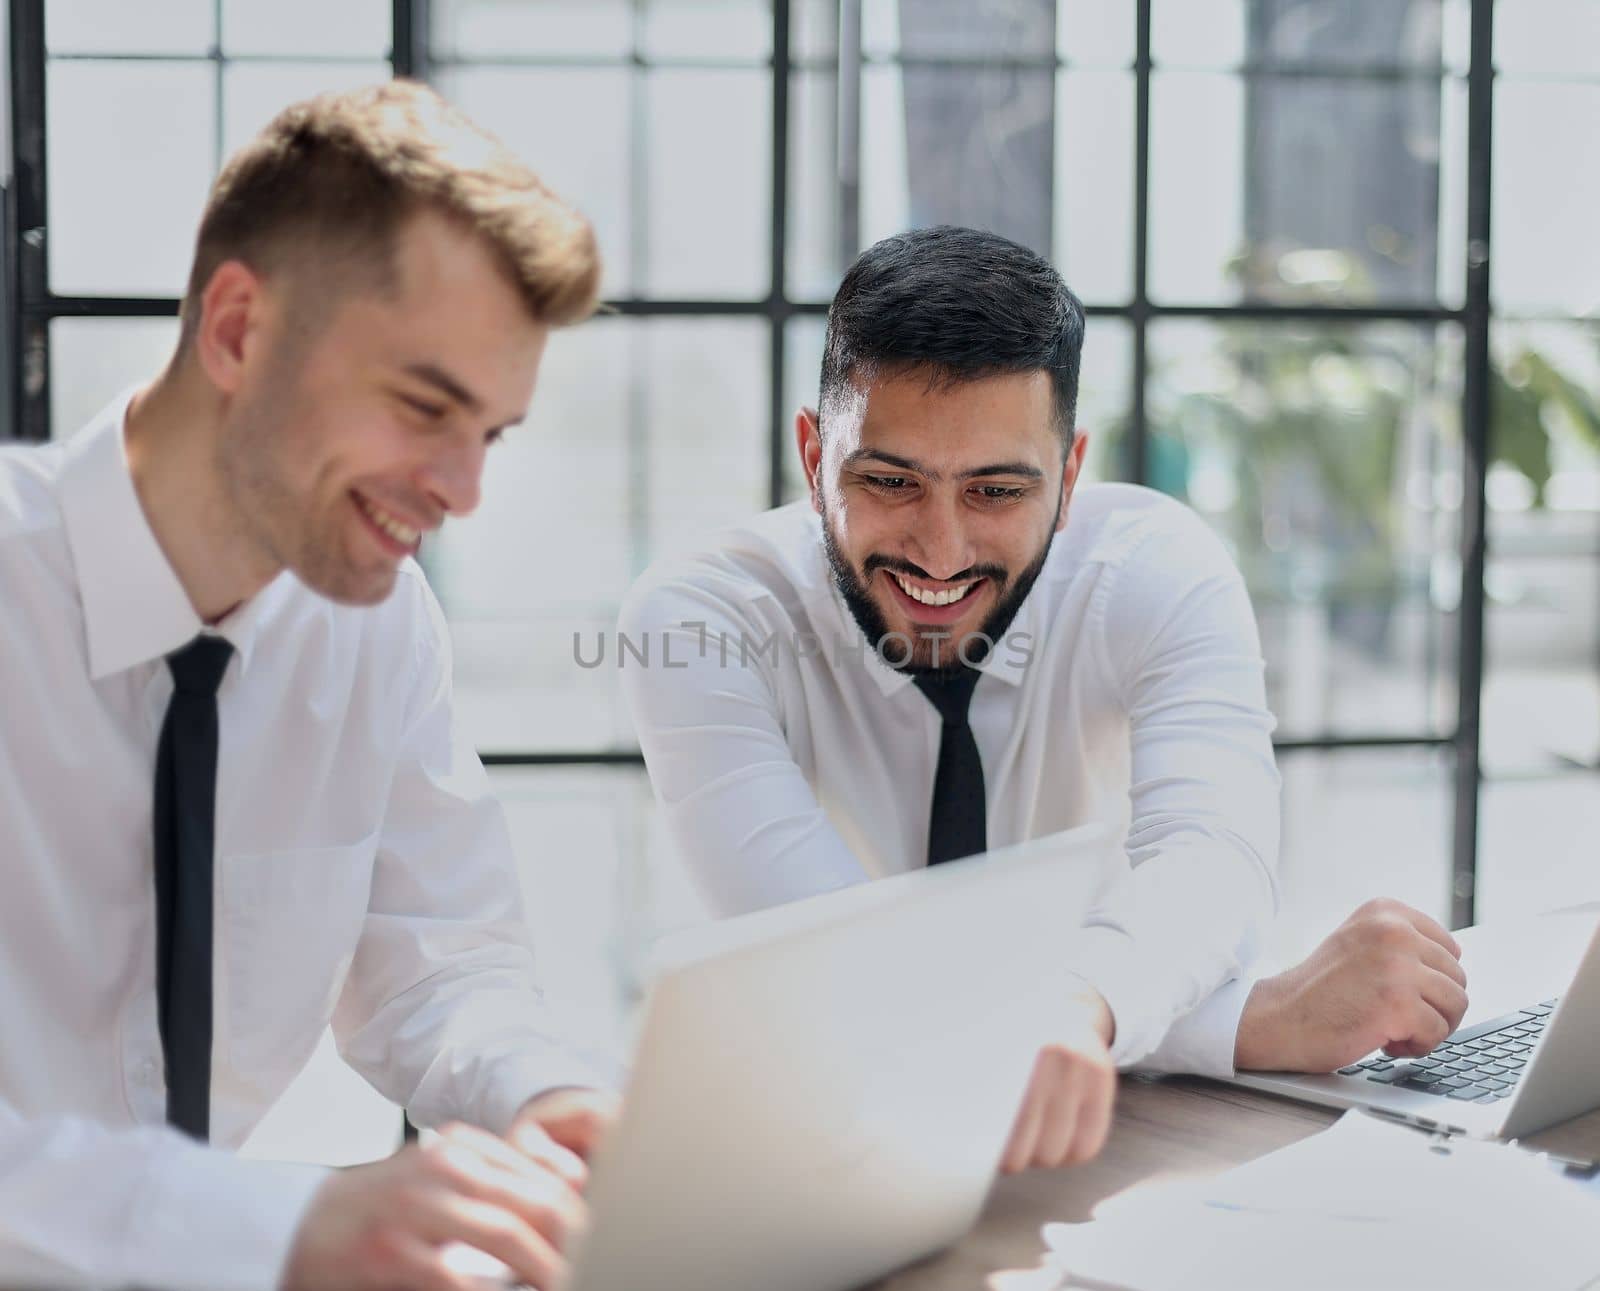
point(453, 476)
point(938, 540)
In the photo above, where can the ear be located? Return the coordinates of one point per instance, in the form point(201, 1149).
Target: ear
point(1069, 474)
point(229, 327)
point(808, 439)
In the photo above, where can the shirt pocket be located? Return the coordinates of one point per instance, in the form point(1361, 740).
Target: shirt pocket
point(289, 924)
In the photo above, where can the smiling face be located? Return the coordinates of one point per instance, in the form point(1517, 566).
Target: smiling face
point(939, 501)
point(346, 438)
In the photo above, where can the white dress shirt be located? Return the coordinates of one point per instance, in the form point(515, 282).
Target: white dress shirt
point(789, 759)
point(363, 875)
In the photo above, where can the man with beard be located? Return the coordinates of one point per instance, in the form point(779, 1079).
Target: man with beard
point(235, 801)
point(952, 646)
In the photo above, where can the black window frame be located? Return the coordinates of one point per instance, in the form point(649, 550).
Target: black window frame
point(31, 306)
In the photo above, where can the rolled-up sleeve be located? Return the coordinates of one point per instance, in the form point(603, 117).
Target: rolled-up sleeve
point(441, 1011)
point(737, 805)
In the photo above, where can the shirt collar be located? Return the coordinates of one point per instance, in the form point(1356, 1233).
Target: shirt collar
point(134, 608)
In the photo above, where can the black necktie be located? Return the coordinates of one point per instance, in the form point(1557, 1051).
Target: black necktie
point(185, 812)
point(957, 820)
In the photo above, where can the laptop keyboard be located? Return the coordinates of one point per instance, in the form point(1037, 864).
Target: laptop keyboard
point(1479, 1064)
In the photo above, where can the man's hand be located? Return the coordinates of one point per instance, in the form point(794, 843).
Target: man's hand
point(563, 1127)
point(1066, 1112)
point(390, 1226)
point(1388, 977)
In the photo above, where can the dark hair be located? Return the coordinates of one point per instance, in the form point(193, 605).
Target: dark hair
point(960, 303)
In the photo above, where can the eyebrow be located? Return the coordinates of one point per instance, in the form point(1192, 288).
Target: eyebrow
point(444, 382)
point(1024, 469)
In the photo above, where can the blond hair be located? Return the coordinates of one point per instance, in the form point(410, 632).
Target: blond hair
point(330, 181)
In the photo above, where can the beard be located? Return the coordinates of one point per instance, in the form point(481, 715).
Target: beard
point(935, 654)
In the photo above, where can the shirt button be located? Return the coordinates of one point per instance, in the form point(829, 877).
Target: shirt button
point(146, 1072)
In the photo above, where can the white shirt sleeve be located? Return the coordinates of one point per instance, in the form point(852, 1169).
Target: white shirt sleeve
point(1202, 1041)
point(82, 1205)
point(1203, 843)
point(737, 806)
point(441, 1011)
point(1180, 642)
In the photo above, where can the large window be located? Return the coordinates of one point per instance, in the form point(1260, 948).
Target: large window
point(1280, 214)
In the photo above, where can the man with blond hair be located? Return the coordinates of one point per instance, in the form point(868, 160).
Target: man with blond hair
point(236, 804)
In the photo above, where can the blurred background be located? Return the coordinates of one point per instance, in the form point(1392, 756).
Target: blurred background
point(1342, 268)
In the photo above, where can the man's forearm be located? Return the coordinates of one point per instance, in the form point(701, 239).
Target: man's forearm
point(1261, 1042)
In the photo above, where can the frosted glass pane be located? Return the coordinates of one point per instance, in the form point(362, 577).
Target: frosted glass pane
point(1546, 191)
point(564, 470)
point(709, 159)
point(1330, 33)
point(813, 262)
point(1453, 194)
point(644, 435)
point(1104, 382)
point(802, 367)
point(359, 28)
point(1088, 219)
point(547, 555)
point(958, 29)
point(707, 411)
point(539, 28)
point(1300, 189)
point(1096, 32)
point(740, 29)
point(1196, 185)
point(885, 159)
point(1197, 33)
point(123, 212)
point(944, 144)
point(880, 28)
point(118, 27)
point(813, 29)
point(1094, 184)
point(532, 110)
point(92, 360)
point(1547, 38)
point(1455, 35)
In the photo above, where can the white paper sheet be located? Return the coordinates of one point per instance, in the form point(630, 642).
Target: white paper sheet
point(1364, 1203)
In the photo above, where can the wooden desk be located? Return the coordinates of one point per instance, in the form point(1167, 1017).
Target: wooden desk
point(1184, 1125)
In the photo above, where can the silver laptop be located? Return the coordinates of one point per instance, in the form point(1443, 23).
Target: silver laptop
point(822, 1091)
point(1505, 1078)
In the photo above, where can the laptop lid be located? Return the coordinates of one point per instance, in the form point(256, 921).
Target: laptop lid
point(1563, 1080)
point(821, 1091)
